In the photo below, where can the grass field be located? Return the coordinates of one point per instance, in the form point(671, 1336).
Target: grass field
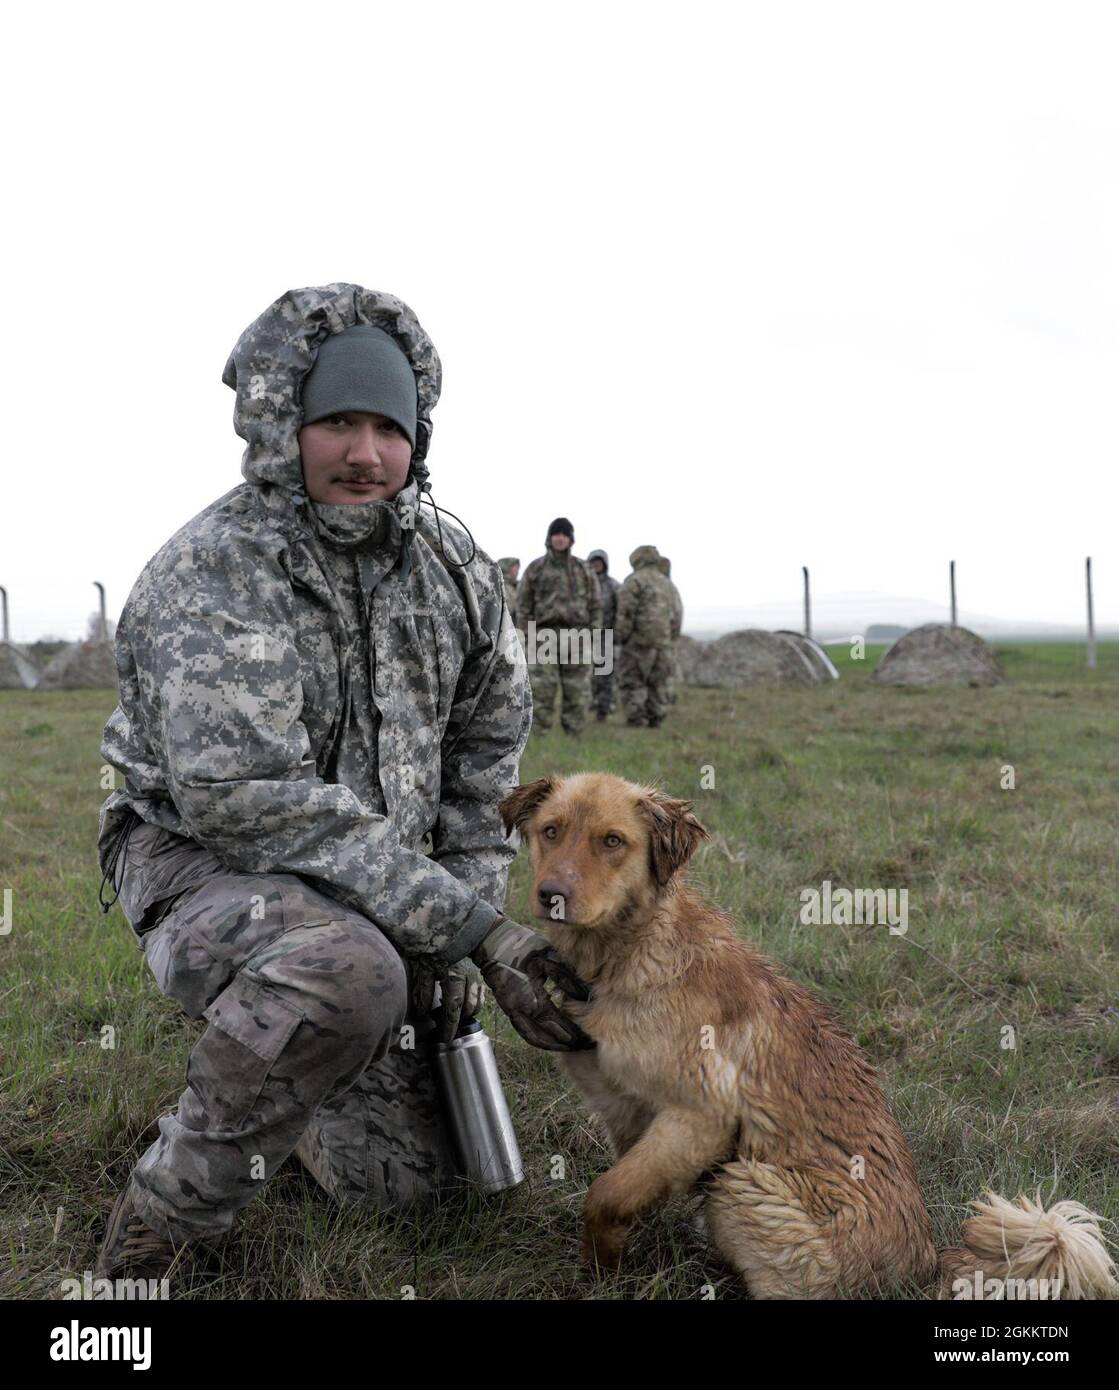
point(1013, 903)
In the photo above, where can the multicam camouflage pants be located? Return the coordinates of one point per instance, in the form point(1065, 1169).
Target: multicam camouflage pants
point(646, 681)
point(603, 684)
point(307, 1047)
point(574, 680)
point(602, 692)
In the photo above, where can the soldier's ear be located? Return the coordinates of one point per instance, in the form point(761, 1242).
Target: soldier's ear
point(518, 808)
point(674, 833)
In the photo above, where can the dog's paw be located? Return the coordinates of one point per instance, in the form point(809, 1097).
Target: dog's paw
point(602, 1248)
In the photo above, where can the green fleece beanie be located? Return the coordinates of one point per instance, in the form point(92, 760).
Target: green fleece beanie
point(362, 368)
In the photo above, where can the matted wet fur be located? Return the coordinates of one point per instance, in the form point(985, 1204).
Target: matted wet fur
point(710, 1065)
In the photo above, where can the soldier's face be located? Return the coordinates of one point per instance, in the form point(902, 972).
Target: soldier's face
point(560, 541)
point(355, 457)
point(514, 571)
point(598, 566)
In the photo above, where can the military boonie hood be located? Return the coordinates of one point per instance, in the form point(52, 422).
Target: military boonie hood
point(267, 369)
point(600, 555)
point(644, 556)
point(507, 564)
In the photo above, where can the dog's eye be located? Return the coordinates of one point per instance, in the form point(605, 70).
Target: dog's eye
point(613, 841)
point(549, 832)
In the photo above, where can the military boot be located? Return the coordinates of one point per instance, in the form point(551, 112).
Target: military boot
point(130, 1246)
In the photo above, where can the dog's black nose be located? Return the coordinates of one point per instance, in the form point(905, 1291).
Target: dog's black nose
point(553, 897)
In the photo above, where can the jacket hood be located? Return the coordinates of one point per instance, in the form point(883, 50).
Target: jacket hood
point(600, 555)
point(507, 563)
point(643, 556)
point(271, 361)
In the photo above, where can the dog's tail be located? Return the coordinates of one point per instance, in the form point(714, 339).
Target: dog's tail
point(1062, 1250)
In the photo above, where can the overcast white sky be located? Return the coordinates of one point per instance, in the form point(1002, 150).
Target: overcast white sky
point(762, 284)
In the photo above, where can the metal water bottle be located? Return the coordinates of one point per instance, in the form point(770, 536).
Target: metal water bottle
point(477, 1114)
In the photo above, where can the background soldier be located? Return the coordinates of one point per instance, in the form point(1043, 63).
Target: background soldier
point(308, 838)
point(510, 568)
point(646, 625)
point(560, 591)
point(677, 626)
point(602, 682)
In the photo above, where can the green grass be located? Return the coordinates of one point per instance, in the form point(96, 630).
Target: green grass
point(1013, 902)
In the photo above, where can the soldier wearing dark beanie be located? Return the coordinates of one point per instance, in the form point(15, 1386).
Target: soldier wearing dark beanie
point(559, 591)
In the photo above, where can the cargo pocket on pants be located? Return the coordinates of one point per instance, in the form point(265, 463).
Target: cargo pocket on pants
point(249, 1027)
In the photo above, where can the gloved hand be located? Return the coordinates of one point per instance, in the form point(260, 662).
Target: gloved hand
point(516, 962)
point(461, 990)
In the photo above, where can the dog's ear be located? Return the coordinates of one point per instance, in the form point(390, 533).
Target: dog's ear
point(516, 808)
point(674, 833)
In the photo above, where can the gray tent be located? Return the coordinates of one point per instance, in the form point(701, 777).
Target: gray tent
point(689, 653)
point(17, 670)
point(818, 661)
point(939, 654)
point(754, 657)
point(82, 666)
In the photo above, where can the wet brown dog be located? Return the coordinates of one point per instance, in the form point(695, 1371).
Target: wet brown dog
point(711, 1066)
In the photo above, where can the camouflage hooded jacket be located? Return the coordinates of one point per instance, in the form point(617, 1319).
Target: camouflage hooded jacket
point(314, 689)
point(648, 614)
point(665, 565)
point(608, 587)
point(558, 590)
point(507, 565)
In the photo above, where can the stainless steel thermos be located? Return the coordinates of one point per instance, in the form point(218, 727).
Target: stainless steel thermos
point(477, 1114)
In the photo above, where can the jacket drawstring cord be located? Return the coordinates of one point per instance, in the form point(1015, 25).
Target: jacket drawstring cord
point(425, 496)
point(110, 875)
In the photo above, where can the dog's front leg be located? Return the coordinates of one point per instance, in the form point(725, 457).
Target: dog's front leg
point(671, 1155)
point(625, 1117)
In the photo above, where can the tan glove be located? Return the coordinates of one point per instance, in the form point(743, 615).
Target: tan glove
point(516, 962)
point(460, 987)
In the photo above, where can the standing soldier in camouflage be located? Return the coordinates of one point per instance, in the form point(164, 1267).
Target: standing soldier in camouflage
point(559, 592)
point(647, 623)
point(510, 567)
point(602, 682)
point(678, 623)
point(322, 702)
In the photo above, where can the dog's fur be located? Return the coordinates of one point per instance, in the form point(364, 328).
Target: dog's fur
point(713, 1069)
